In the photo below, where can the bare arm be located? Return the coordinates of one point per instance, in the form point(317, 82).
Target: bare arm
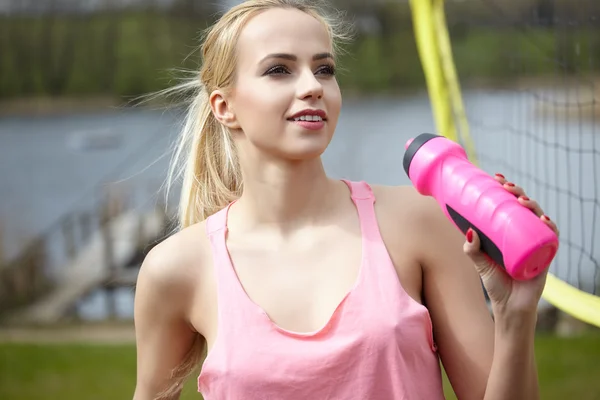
point(164, 338)
point(514, 371)
point(482, 358)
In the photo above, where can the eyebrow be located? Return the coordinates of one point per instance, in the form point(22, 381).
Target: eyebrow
point(291, 57)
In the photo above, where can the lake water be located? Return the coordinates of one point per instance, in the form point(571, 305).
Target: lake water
point(47, 170)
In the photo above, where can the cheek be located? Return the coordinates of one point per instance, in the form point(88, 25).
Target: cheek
point(337, 101)
point(334, 101)
point(258, 105)
point(261, 115)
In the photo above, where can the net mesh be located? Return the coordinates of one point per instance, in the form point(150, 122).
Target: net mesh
point(530, 77)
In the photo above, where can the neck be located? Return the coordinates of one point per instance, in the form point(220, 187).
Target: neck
point(287, 195)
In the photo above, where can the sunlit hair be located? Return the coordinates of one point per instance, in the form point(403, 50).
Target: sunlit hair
point(205, 158)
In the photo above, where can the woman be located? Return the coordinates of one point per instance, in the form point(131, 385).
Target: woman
point(304, 287)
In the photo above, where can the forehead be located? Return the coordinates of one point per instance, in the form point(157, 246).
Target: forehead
point(281, 30)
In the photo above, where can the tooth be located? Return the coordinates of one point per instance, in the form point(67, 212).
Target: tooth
point(309, 118)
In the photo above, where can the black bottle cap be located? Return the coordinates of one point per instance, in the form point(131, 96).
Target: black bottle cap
point(414, 147)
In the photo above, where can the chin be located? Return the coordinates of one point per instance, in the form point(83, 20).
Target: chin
point(306, 149)
point(294, 147)
point(304, 156)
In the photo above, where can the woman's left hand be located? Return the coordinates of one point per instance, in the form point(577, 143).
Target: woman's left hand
point(506, 294)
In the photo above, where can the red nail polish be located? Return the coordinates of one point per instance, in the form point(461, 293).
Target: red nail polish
point(510, 184)
point(524, 198)
point(470, 235)
point(500, 176)
point(547, 218)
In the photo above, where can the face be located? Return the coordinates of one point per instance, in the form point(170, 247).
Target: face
point(286, 100)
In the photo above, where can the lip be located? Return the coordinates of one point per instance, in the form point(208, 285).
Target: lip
point(309, 111)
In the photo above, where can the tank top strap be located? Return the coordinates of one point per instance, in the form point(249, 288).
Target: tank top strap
point(364, 199)
point(360, 191)
point(230, 294)
point(217, 221)
point(216, 231)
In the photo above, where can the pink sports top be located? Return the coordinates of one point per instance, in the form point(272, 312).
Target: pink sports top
point(377, 345)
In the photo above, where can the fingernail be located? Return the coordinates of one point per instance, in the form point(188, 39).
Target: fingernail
point(470, 235)
point(510, 184)
point(547, 218)
point(524, 198)
point(500, 176)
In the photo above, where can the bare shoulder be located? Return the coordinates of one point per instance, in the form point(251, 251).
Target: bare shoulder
point(431, 232)
point(405, 205)
point(175, 260)
point(177, 269)
point(407, 217)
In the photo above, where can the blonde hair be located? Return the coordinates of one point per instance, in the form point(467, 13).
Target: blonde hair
point(205, 156)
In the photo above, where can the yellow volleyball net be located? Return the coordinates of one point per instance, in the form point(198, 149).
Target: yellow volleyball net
point(542, 129)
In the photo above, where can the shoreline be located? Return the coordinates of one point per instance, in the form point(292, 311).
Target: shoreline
point(44, 106)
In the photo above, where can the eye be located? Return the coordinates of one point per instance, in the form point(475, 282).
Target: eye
point(326, 69)
point(277, 70)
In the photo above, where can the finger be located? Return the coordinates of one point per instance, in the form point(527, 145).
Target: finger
point(500, 178)
point(532, 205)
point(550, 223)
point(472, 248)
point(514, 189)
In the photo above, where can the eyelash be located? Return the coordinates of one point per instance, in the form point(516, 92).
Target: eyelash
point(277, 70)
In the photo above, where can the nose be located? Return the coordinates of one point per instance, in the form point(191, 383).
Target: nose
point(309, 86)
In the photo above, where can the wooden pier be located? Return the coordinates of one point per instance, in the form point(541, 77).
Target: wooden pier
point(102, 255)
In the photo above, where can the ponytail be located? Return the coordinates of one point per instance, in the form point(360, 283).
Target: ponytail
point(205, 159)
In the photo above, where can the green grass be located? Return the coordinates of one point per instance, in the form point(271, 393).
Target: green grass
point(568, 368)
point(70, 371)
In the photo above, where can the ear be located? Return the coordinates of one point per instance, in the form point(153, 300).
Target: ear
point(222, 110)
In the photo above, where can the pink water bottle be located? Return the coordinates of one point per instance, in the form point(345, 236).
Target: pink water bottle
point(511, 235)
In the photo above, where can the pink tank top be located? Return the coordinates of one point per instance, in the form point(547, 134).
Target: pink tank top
point(377, 345)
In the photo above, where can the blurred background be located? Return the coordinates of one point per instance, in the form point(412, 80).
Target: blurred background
point(82, 163)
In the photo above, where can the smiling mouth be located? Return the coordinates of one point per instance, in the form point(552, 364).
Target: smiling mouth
point(308, 118)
